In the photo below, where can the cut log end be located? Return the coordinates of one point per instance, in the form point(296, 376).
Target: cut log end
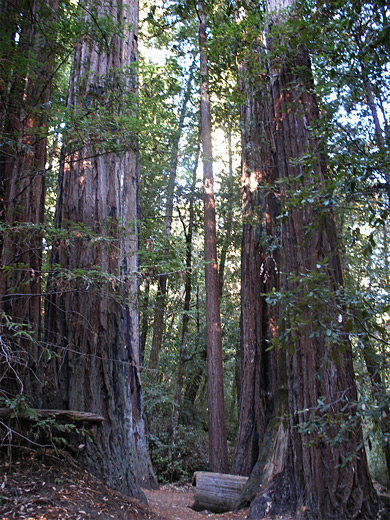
point(217, 492)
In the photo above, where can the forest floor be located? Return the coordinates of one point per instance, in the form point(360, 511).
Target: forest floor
point(174, 503)
point(52, 487)
point(55, 487)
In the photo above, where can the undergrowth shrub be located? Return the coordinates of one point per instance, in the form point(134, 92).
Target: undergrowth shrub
point(174, 462)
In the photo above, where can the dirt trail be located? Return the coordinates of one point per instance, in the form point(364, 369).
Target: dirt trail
point(174, 503)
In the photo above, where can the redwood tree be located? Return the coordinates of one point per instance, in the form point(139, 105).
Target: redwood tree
point(259, 263)
point(28, 48)
point(323, 471)
point(218, 453)
point(91, 314)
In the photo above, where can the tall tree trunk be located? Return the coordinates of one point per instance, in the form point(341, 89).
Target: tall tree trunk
point(218, 453)
point(229, 214)
point(259, 271)
point(325, 473)
point(94, 330)
point(379, 134)
point(186, 314)
point(162, 279)
point(144, 311)
point(23, 120)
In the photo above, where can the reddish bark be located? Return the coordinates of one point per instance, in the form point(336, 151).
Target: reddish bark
point(320, 481)
point(218, 453)
point(23, 120)
point(94, 331)
point(259, 273)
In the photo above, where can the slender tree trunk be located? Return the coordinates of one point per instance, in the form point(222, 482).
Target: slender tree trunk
point(326, 473)
point(216, 401)
point(186, 314)
point(379, 134)
point(94, 330)
point(196, 377)
point(229, 215)
point(23, 119)
point(162, 279)
point(158, 327)
point(144, 318)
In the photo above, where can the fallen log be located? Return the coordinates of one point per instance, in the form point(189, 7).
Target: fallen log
point(71, 415)
point(217, 492)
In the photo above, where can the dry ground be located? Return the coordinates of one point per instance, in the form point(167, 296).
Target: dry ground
point(174, 503)
point(53, 487)
point(58, 489)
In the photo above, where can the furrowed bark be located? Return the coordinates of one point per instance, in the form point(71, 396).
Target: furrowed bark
point(259, 265)
point(24, 115)
point(92, 328)
point(326, 474)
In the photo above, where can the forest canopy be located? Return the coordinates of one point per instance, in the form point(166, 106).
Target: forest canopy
point(194, 219)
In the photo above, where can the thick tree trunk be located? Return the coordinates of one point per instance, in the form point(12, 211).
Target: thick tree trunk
point(326, 474)
point(270, 485)
point(93, 330)
point(23, 119)
point(318, 368)
point(218, 453)
point(259, 273)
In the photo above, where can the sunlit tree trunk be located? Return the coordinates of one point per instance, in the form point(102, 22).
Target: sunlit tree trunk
point(229, 217)
point(93, 327)
point(218, 453)
point(27, 55)
point(144, 311)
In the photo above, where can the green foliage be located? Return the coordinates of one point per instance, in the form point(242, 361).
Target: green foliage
point(189, 453)
point(138, 108)
point(26, 427)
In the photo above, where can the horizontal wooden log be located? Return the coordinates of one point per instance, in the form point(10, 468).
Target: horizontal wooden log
point(71, 415)
point(217, 492)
